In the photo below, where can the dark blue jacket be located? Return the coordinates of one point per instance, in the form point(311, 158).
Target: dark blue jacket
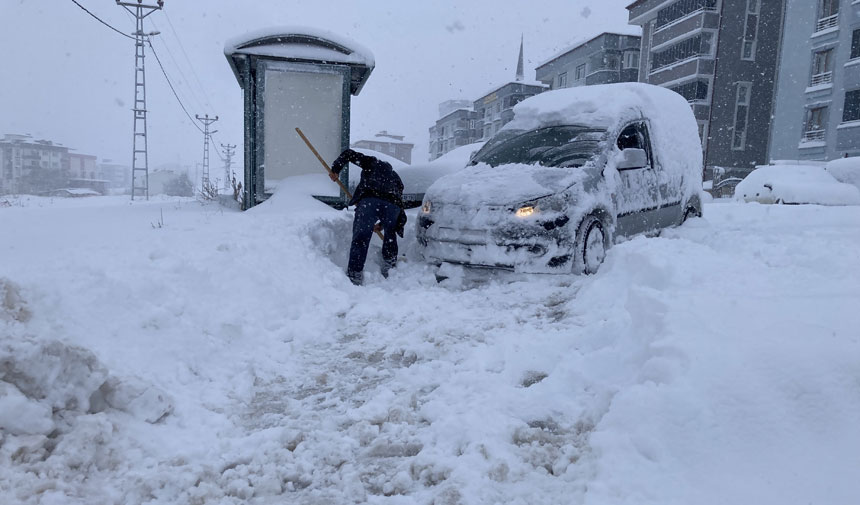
point(378, 180)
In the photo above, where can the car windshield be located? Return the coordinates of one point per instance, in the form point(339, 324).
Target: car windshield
point(554, 146)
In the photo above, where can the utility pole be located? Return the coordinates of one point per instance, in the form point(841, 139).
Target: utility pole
point(228, 163)
point(139, 155)
point(206, 120)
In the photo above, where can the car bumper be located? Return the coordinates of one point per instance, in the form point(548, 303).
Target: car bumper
point(519, 247)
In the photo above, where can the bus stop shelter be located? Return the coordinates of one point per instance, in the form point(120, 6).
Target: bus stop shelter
point(295, 77)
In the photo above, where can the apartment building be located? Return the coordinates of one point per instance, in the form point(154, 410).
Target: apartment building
point(454, 129)
point(483, 117)
point(118, 175)
point(817, 110)
point(32, 166)
point(721, 55)
point(606, 58)
point(388, 143)
point(83, 166)
point(495, 109)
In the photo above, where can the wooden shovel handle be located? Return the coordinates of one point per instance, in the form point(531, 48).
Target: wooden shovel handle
point(330, 171)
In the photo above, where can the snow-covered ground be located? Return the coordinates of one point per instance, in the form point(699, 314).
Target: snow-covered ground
point(169, 352)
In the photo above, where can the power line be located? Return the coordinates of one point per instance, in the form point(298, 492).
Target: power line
point(190, 64)
point(157, 59)
point(184, 79)
point(100, 20)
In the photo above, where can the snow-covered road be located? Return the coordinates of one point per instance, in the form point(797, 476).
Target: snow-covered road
point(233, 362)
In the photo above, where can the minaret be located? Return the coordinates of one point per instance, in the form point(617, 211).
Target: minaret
point(520, 74)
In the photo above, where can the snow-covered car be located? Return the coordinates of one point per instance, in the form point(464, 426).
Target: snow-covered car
point(573, 171)
point(845, 170)
point(795, 184)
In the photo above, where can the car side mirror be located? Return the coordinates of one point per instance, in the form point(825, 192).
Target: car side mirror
point(632, 158)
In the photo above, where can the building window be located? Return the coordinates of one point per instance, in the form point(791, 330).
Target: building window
point(683, 8)
point(851, 111)
point(750, 30)
point(742, 112)
point(829, 8)
point(855, 44)
point(699, 45)
point(828, 14)
point(822, 67)
point(562, 80)
point(631, 59)
point(610, 61)
point(693, 91)
point(580, 72)
point(814, 130)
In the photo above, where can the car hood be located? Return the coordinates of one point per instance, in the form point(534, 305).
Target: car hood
point(502, 185)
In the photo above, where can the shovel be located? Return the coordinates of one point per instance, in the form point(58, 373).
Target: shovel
point(328, 169)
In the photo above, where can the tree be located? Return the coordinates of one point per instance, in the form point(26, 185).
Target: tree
point(179, 186)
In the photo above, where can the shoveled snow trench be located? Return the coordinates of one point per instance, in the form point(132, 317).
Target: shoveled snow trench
point(220, 357)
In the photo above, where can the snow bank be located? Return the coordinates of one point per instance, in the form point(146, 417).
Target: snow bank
point(723, 351)
point(845, 170)
point(796, 184)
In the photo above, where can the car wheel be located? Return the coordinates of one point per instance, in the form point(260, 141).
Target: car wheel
point(592, 245)
point(691, 212)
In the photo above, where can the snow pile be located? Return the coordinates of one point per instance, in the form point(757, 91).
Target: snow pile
point(845, 170)
point(796, 184)
point(723, 351)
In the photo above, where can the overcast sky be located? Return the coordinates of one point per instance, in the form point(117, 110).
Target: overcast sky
point(67, 78)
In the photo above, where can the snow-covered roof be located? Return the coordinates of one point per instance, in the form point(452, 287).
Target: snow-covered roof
point(302, 44)
point(526, 83)
point(630, 31)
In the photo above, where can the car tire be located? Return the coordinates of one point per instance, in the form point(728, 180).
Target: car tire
point(592, 244)
point(690, 213)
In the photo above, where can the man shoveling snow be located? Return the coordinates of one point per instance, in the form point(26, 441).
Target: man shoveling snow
point(378, 198)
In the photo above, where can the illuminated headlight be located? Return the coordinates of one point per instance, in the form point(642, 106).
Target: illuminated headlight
point(526, 211)
point(426, 207)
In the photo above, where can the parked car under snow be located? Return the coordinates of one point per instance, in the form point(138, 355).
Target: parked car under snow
point(795, 184)
point(573, 171)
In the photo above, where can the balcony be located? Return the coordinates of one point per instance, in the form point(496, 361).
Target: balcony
point(821, 79)
point(813, 136)
point(828, 22)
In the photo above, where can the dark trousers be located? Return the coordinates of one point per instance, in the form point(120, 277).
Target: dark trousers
point(367, 212)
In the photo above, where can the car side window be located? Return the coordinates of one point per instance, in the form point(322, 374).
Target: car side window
point(635, 136)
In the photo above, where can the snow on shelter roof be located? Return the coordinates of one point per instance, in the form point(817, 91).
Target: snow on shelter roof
point(302, 44)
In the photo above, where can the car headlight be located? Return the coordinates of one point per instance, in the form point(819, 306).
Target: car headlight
point(526, 211)
point(547, 204)
point(426, 207)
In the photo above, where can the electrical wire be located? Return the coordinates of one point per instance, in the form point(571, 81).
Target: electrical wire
point(172, 88)
point(190, 64)
point(102, 22)
point(164, 72)
point(183, 78)
point(179, 100)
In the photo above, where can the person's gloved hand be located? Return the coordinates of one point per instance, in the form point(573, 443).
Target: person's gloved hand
point(333, 176)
